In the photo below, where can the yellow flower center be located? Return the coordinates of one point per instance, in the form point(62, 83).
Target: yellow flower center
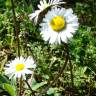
point(20, 67)
point(57, 23)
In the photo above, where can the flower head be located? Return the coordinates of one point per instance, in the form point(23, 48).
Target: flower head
point(20, 67)
point(59, 25)
point(42, 6)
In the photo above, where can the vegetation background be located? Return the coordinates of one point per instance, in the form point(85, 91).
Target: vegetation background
point(50, 58)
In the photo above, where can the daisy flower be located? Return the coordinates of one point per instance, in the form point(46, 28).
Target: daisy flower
point(42, 6)
point(20, 67)
point(59, 25)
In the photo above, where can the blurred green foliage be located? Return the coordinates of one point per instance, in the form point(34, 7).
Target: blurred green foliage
point(50, 58)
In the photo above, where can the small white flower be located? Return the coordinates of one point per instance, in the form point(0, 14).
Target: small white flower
point(42, 6)
point(20, 67)
point(59, 25)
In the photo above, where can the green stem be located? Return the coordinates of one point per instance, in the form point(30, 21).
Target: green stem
point(20, 86)
point(30, 88)
point(71, 67)
point(59, 73)
point(17, 43)
point(16, 29)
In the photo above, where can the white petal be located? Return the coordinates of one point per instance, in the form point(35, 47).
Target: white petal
point(45, 35)
point(27, 71)
point(68, 12)
point(11, 70)
point(54, 37)
point(63, 37)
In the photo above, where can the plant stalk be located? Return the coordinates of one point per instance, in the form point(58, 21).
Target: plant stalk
point(59, 73)
point(16, 28)
point(17, 43)
point(71, 67)
point(30, 88)
point(21, 87)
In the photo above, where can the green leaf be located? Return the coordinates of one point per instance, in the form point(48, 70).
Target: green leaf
point(52, 91)
point(3, 79)
point(10, 89)
point(38, 85)
point(8, 3)
point(57, 94)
